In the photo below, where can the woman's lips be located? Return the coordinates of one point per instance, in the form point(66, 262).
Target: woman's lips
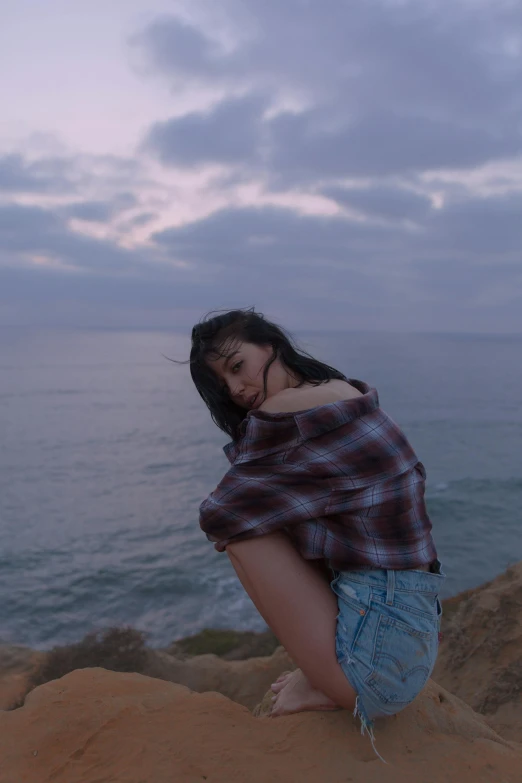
point(253, 400)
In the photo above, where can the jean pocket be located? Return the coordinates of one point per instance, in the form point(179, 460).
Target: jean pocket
point(421, 605)
point(352, 593)
point(402, 662)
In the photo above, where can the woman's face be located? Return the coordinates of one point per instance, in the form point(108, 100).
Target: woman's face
point(241, 372)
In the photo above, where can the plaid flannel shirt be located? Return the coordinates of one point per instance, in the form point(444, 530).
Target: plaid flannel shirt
point(341, 479)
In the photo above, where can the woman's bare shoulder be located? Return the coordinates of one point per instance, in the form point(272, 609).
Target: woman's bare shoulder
point(306, 397)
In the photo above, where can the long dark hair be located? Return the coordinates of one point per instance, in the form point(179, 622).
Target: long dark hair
point(213, 336)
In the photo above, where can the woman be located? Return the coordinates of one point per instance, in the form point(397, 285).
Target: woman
point(322, 515)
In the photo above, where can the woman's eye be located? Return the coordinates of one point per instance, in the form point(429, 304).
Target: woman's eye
point(224, 388)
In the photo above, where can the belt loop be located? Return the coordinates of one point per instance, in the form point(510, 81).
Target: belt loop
point(390, 587)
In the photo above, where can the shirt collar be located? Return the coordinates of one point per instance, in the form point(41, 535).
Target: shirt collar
point(263, 433)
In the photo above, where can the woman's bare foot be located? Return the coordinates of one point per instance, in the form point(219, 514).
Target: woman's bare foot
point(280, 683)
point(297, 695)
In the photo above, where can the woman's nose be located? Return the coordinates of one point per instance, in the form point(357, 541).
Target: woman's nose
point(239, 390)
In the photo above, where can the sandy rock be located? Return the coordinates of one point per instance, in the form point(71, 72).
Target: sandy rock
point(480, 657)
point(94, 725)
point(245, 682)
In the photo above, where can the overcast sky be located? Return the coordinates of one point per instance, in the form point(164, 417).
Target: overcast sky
point(344, 164)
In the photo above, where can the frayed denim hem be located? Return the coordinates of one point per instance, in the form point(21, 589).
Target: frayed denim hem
point(366, 727)
point(346, 663)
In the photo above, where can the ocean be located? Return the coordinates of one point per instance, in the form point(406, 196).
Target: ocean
point(107, 451)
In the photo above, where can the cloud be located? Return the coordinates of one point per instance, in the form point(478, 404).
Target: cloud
point(50, 175)
point(55, 298)
point(392, 203)
point(91, 211)
point(361, 263)
point(49, 285)
point(357, 161)
point(464, 282)
point(231, 133)
point(383, 87)
point(33, 231)
point(481, 228)
point(23, 227)
point(142, 219)
point(367, 274)
point(297, 147)
point(177, 47)
point(381, 144)
point(101, 211)
point(259, 241)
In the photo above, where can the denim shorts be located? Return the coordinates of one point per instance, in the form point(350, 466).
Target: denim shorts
point(387, 636)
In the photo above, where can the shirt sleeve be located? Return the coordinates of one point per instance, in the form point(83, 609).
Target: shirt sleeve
point(256, 500)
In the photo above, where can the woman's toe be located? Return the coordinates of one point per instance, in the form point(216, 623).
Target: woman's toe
point(280, 683)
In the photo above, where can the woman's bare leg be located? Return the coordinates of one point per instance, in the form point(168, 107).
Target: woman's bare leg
point(297, 603)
